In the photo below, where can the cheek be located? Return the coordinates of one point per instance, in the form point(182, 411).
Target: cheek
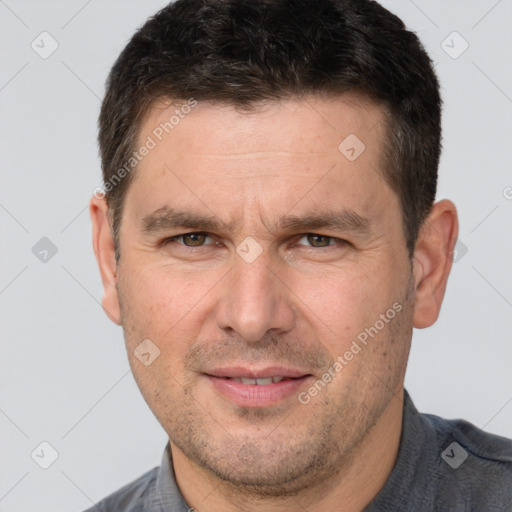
point(344, 303)
point(164, 303)
point(160, 305)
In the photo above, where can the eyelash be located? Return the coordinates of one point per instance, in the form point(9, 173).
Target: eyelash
point(338, 241)
point(174, 238)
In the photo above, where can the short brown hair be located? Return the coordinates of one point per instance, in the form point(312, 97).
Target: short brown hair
point(243, 52)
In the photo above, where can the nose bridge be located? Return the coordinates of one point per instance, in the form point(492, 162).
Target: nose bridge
point(255, 300)
point(253, 280)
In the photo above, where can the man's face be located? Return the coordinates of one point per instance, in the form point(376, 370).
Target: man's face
point(298, 248)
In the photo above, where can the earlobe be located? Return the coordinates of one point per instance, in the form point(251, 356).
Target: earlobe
point(433, 261)
point(104, 250)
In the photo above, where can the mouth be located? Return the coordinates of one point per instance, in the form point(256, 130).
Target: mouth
point(257, 388)
point(261, 382)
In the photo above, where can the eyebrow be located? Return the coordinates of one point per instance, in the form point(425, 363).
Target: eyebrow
point(166, 219)
point(344, 220)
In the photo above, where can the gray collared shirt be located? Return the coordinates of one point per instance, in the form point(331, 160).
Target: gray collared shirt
point(442, 465)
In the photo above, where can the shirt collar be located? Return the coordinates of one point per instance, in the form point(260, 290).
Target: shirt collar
point(167, 488)
point(415, 457)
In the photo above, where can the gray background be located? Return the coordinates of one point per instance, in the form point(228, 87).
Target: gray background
point(64, 375)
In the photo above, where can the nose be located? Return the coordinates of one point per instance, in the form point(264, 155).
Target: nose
point(255, 301)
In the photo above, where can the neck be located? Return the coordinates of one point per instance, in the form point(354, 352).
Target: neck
point(361, 476)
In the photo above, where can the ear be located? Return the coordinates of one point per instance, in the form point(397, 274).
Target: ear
point(103, 244)
point(433, 261)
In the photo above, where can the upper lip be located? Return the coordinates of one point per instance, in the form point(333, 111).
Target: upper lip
point(253, 373)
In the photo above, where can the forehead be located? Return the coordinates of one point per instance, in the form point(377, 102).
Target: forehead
point(310, 150)
point(310, 124)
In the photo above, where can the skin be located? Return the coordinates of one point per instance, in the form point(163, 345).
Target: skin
point(300, 303)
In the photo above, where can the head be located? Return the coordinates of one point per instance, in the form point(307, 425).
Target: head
point(243, 54)
point(270, 172)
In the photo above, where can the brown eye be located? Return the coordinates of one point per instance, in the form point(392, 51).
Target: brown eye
point(192, 239)
point(319, 240)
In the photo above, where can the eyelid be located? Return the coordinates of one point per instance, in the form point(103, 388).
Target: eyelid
point(332, 238)
point(175, 237)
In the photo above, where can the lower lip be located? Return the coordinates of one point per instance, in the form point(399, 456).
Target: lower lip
point(254, 395)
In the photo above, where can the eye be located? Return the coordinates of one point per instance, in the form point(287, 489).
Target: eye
point(319, 240)
point(196, 239)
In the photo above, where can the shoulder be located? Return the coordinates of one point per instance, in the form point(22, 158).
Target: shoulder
point(133, 497)
point(477, 442)
point(472, 465)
